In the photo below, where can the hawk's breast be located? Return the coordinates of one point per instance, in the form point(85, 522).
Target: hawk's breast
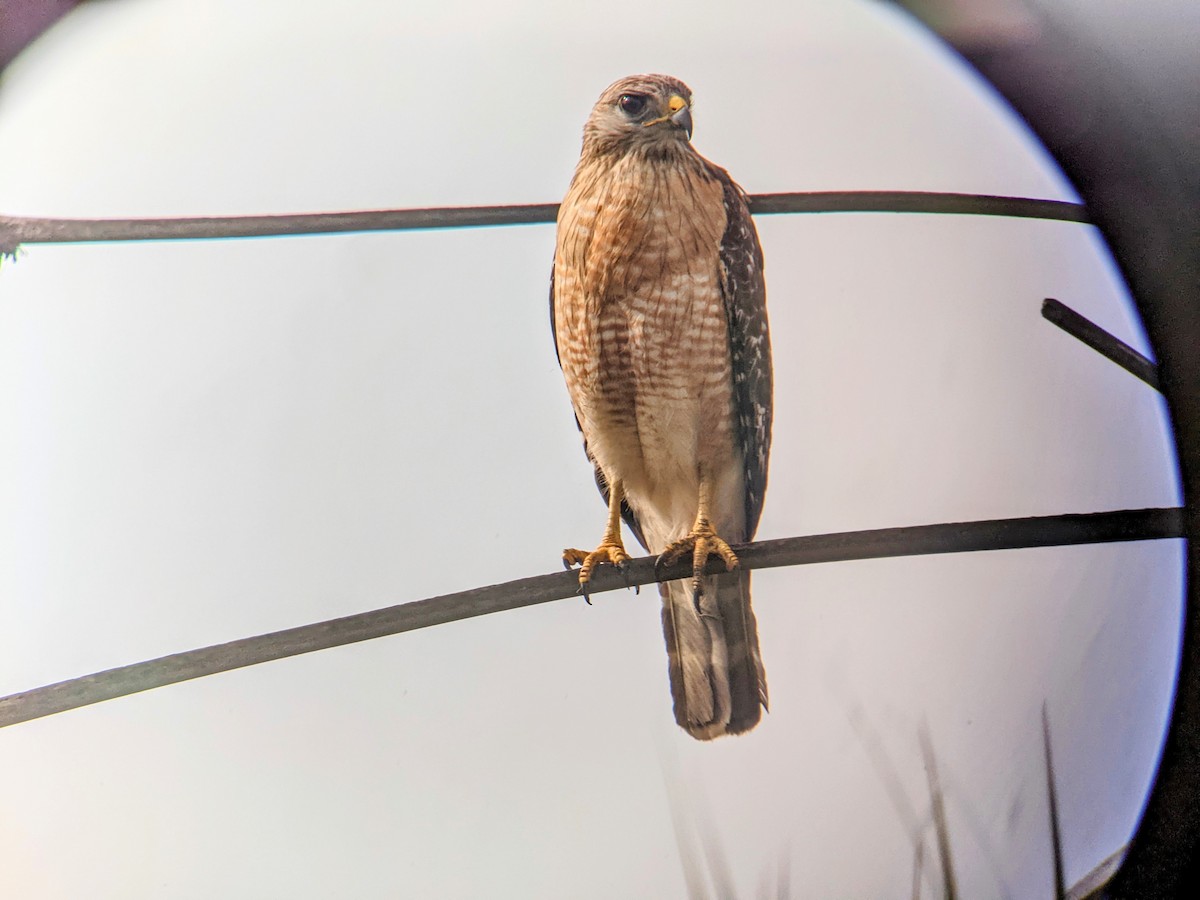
point(642, 331)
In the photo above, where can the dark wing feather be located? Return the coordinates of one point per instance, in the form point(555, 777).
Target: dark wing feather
point(745, 296)
point(601, 482)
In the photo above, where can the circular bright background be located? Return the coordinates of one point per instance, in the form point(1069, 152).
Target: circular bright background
point(207, 441)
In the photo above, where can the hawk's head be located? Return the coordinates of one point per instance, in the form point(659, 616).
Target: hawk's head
point(640, 111)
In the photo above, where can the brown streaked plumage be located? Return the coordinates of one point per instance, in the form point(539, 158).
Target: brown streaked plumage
point(659, 313)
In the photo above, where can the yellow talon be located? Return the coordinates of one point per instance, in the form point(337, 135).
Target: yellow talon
point(610, 551)
point(702, 542)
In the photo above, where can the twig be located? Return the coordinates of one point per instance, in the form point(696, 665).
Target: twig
point(959, 537)
point(938, 808)
point(17, 230)
point(1100, 340)
point(1060, 884)
point(918, 865)
point(1091, 885)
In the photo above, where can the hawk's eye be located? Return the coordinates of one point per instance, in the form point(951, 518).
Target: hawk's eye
point(631, 104)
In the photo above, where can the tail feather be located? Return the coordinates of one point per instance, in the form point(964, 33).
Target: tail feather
point(717, 678)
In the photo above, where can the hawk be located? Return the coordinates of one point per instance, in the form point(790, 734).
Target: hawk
point(658, 309)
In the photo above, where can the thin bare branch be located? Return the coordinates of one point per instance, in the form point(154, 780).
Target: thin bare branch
point(918, 202)
point(17, 230)
point(955, 537)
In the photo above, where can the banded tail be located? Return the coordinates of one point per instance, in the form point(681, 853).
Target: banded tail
point(717, 678)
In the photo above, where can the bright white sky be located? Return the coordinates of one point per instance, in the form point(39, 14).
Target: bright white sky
point(207, 441)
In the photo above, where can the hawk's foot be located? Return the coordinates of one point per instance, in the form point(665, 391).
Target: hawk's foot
point(702, 542)
point(610, 551)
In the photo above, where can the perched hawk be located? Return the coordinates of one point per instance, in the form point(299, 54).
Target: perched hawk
point(660, 322)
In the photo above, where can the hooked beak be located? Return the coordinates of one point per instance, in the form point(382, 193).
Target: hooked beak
point(679, 115)
point(683, 119)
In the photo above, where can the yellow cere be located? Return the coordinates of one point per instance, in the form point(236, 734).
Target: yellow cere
point(675, 104)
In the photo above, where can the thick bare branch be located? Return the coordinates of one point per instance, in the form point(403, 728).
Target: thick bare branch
point(958, 537)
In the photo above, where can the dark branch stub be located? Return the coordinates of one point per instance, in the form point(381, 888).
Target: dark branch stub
point(1107, 345)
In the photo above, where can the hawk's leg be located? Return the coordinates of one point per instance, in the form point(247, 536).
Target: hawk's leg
point(611, 550)
point(702, 542)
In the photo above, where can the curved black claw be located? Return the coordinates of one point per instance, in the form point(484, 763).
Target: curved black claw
point(583, 592)
point(623, 568)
